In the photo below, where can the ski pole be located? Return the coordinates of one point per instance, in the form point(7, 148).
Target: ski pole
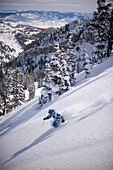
point(43, 123)
point(74, 117)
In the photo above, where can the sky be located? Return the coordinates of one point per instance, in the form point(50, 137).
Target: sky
point(49, 5)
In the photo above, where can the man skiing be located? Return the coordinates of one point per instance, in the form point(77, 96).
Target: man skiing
point(58, 117)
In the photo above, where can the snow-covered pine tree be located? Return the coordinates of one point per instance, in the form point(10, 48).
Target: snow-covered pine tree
point(2, 107)
point(110, 32)
point(21, 87)
point(47, 81)
point(79, 63)
point(31, 87)
point(56, 79)
point(8, 92)
point(46, 93)
point(1, 78)
point(71, 61)
point(56, 71)
point(17, 88)
point(94, 58)
point(26, 79)
point(16, 101)
point(86, 64)
point(102, 25)
point(65, 84)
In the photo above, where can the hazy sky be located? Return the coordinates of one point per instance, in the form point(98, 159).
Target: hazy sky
point(58, 5)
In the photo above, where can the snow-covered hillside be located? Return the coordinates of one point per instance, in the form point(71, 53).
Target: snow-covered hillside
point(82, 143)
point(41, 19)
point(7, 36)
point(13, 39)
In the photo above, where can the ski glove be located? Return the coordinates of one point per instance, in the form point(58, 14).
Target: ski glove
point(44, 118)
point(63, 121)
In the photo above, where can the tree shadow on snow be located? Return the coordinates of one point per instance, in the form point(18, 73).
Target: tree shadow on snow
point(40, 139)
point(21, 116)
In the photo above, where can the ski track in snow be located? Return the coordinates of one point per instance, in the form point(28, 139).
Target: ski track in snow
point(82, 143)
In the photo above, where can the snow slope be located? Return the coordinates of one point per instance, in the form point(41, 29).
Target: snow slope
point(7, 36)
point(82, 143)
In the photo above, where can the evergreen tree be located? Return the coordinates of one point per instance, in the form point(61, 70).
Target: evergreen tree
point(87, 65)
point(26, 80)
point(31, 87)
point(1, 79)
point(71, 61)
point(2, 107)
point(56, 79)
point(8, 92)
point(94, 57)
point(60, 73)
point(21, 87)
point(102, 26)
point(13, 91)
point(47, 81)
point(56, 71)
point(18, 87)
point(110, 35)
point(65, 82)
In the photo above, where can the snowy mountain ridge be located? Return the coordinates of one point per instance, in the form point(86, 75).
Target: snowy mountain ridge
point(81, 143)
point(42, 19)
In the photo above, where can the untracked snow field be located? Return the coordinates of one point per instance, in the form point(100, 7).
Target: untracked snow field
point(82, 143)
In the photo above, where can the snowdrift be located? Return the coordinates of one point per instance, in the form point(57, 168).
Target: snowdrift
point(84, 142)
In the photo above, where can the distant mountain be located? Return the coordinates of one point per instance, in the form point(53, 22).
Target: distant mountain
point(13, 39)
point(42, 19)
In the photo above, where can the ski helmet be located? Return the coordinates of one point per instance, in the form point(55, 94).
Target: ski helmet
point(50, 111)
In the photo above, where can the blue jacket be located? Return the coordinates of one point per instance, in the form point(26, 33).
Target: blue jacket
point(55, 115)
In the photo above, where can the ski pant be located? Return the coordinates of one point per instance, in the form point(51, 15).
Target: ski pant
point(56, 123)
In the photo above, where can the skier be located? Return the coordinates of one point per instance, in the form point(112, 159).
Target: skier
point(58, 117)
